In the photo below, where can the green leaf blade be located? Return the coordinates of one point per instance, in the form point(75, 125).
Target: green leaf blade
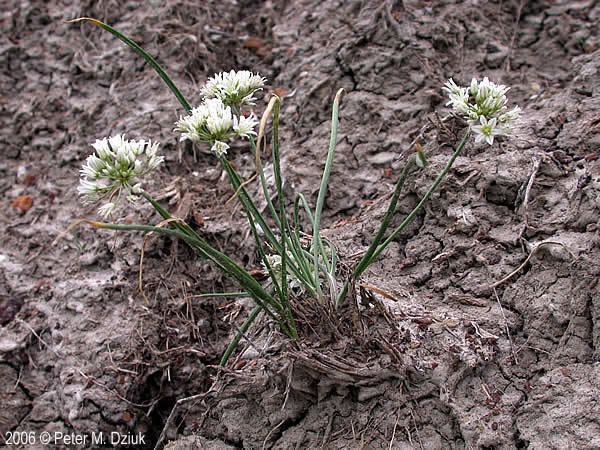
point(144, 54)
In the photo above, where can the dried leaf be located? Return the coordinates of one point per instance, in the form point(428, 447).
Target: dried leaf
point(258, 274)
point(257, 45)
point(29, 179)
point(199, 219)
point(127, 416)
point(421, 160)
point(279, 92)
point(22, 203)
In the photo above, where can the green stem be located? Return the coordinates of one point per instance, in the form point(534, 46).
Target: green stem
point(176, 222)
point(281, 200)
point(375, 251)
point(254, 214)
point(249, 206)
point(263, 181)
point(252, 211)
point(283, 223)
point(425, 198)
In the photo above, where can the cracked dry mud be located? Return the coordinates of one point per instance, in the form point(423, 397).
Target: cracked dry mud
point(448, 358)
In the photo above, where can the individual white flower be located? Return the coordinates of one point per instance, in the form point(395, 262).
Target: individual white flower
point(107, 209)
point(234, 88)
point(219, 148)
point(192, 125)
point(154, 160)
point(115, 169)
point(219, 119)
point(459, 97)
point(507, 119)
point(89, 189)
point(214, 123)
point(486, 130)
point(244, 126)
point(483, 105)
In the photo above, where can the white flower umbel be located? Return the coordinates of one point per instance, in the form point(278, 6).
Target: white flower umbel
point(114, 171)
point(234, 88)
point(483, 105)
point(214, 123)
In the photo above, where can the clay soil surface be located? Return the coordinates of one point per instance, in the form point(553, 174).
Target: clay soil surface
point(438, 347)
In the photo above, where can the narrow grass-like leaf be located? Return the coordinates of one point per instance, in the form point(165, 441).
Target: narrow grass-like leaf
point(301, 199)
point(283, 231)
point(144, 54)
point(264, 258)
point(376, 248)
point(230, 267)
point(387, 218)
point(323, 187)
point(283, 223)
point(221, 295)
point(263, 181)
point(254, 214)
point(309, 267)
point(257, 156)
point(248, 204)
point(366, 260)
point(241, 331)
point(179, 224)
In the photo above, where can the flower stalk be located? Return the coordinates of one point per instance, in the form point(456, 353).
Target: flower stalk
point(377, 247)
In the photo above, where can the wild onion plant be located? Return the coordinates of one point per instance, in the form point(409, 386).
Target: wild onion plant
point(298, 263)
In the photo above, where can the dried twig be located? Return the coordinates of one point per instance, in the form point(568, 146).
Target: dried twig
point(270, 433)
point(375, 289)
point(512, 347)
point(171, 417)
point(38, 337)
point(394, 433)
point(514, 35)
point(524, 263)
point(537, 160)
point(114, 392)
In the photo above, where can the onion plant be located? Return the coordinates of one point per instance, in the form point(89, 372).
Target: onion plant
point(295, 266)
point(298, 263)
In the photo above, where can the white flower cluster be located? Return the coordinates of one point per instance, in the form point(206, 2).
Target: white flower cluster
point(483, 104)
point(218, 119)
point(214, 123)
point(115, 169)
point(234, 88)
